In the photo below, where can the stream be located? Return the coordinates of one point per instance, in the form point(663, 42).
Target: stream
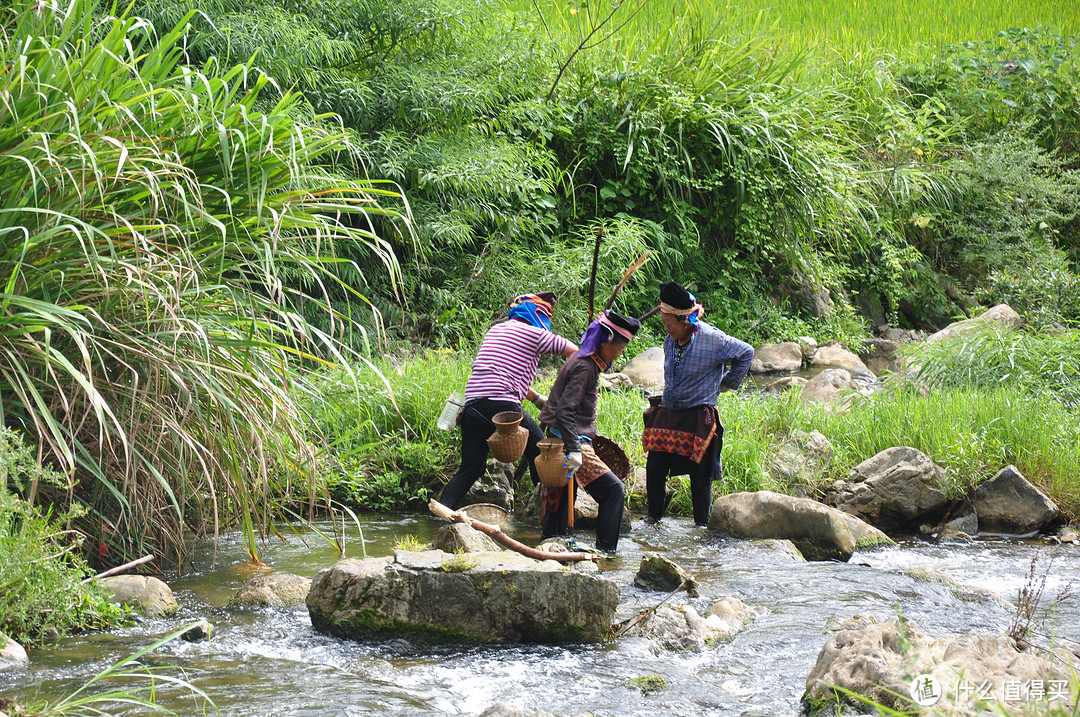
point(270, 662)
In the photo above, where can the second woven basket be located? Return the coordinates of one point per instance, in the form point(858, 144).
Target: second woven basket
point(549, 463)
point(508, 441)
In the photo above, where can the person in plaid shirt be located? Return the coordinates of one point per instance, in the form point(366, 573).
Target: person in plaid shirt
point(683, 434)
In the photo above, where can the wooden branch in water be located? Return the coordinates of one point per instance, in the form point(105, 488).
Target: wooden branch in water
point(496, 534)
point(121, 568)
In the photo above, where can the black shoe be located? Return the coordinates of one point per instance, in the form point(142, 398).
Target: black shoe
point(649, 520)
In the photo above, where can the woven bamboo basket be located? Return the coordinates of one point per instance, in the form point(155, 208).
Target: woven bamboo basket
point(549, 463)
point(488, 513)
point(508, 441)
point(613, 456)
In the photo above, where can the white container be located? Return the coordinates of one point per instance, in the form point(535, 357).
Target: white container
point(448, 417)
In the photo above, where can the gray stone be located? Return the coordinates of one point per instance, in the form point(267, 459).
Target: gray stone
point(273, 590)
point(461, 538)
point(12, 655)
point(482, 597)
point(966, 524)
point(880, 355)
point(771, 358)
point(201, 631)
point(148, 594)
point(731, 610)
point(494, 487)
point(809, 345)
point(785, 547)
point(658, 573)
point(1001, 317)
point(646, 370)
point(892, 489)
point(802, 458)
point(681, 628)
point(1008, 503)
point(866, 536)
point(833, 387)
point(785, 383)
point(615, 381)
point(819, 532)
point(879, 663)
point(836, 356)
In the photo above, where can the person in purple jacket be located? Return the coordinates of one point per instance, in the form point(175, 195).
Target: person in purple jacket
point(683, 434)
point(570, 414)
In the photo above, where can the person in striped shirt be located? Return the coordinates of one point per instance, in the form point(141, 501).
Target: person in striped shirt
point(683, 434)
point(501, 379)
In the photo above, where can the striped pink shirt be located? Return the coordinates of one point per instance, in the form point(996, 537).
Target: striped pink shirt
point(507, 360)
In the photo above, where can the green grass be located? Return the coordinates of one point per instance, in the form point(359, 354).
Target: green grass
point(907, 28)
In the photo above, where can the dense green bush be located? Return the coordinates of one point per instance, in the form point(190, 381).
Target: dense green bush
point(42, 596)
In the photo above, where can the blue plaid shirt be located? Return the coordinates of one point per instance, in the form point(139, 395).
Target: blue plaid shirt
point(711, 359)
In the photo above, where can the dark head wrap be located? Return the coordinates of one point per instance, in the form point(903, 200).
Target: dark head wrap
point(675, 300)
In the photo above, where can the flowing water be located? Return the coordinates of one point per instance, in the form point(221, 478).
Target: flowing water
point(270, 661)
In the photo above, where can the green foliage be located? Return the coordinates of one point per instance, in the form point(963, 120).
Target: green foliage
point(1043, 298)
point(1025, 75)
point(149, 211)
point(42, 596)
point(1039, 364)
point(383, 451)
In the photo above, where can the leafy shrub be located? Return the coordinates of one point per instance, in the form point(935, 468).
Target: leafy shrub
point(1039, 364)
point(1041, 297)
point(42, 596)
point(1024, 75)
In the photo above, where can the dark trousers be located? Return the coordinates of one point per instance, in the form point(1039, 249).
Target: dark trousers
point(660, 465)
point(610, 496)
point(476, 427)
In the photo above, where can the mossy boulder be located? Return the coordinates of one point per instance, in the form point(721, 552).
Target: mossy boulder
point(435, 596)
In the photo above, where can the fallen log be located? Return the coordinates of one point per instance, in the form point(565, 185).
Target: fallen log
point(496, 534)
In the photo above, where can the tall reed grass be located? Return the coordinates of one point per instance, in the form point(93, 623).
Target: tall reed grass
point(149, 210)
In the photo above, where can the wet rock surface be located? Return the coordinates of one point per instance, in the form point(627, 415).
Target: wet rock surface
point(891, 490)
point(819, 532)
point(480, 597)
point(148, 594)
point(883, 661)
point(273, 590)
point(1008, 503)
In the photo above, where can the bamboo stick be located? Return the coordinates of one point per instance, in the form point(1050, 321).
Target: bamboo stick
point(121, 568)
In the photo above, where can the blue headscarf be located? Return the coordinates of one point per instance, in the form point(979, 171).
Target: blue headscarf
point(533, 310)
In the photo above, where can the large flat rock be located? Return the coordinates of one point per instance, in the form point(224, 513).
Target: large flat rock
point(485, 597)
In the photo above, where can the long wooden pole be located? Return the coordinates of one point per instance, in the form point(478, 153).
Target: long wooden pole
point(493, 530)
point(592, 274)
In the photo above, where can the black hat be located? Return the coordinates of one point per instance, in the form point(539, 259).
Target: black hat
point(675, 296)
point(548, 296)
point(626, 323)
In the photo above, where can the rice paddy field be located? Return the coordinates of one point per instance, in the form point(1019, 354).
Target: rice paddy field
point(844, 29)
